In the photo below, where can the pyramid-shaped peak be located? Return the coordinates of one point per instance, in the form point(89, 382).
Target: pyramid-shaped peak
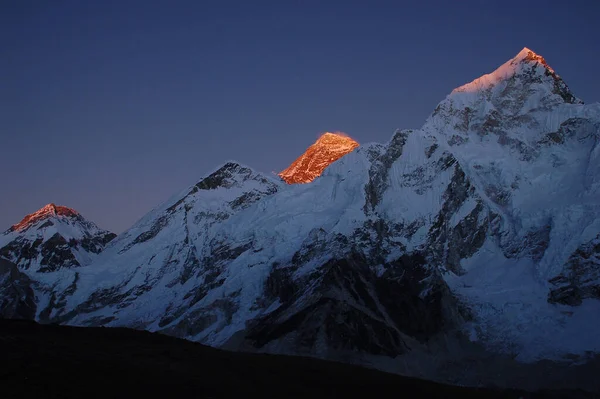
point(229, 174)
point(525, 51)
point(328, 148)
point(528, 55)
point(49, 208)
point(47, 211)
point(505, 71)
point(52, 238)
point(523, 85)
point(233, 168)
point(529, 68)
point(57, 210)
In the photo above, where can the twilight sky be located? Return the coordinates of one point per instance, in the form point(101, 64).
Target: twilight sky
point(110, 107)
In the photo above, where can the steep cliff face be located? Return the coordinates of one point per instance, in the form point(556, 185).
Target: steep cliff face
point(327, 149)
point(483, 222)
point(580, 278)
point(17, 296)
point(530, 147)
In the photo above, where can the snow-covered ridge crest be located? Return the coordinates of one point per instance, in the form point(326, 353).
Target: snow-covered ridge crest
point(236, 174)
point(516, 106)
point(217, 195)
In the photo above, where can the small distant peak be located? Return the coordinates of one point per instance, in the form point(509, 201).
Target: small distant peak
point(231, 168)
point(328, 148)
point(47, 211)
point(57, 210)
point(230, 165)
point(53, 209)
point(226, 176)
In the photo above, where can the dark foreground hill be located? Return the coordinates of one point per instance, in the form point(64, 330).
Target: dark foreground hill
point(50, 361)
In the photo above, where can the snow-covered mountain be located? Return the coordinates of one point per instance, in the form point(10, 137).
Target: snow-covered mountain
point(531, 149)
point(483, 225)
point(52, 238)
point(327, 149)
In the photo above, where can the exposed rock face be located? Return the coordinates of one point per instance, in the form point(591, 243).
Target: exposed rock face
point(17, 297)
point(461, 227)
point(348, 307)
point(52, 238)
point(327, 149)
point(580, 279)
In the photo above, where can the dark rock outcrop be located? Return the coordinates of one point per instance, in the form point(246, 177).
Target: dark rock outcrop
point(348, 307)
point(580, 278)
point(17, 298)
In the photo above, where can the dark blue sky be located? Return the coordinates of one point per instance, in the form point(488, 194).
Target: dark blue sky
point(110, 107)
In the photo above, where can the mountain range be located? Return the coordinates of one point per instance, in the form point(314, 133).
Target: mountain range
point(475, 237)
